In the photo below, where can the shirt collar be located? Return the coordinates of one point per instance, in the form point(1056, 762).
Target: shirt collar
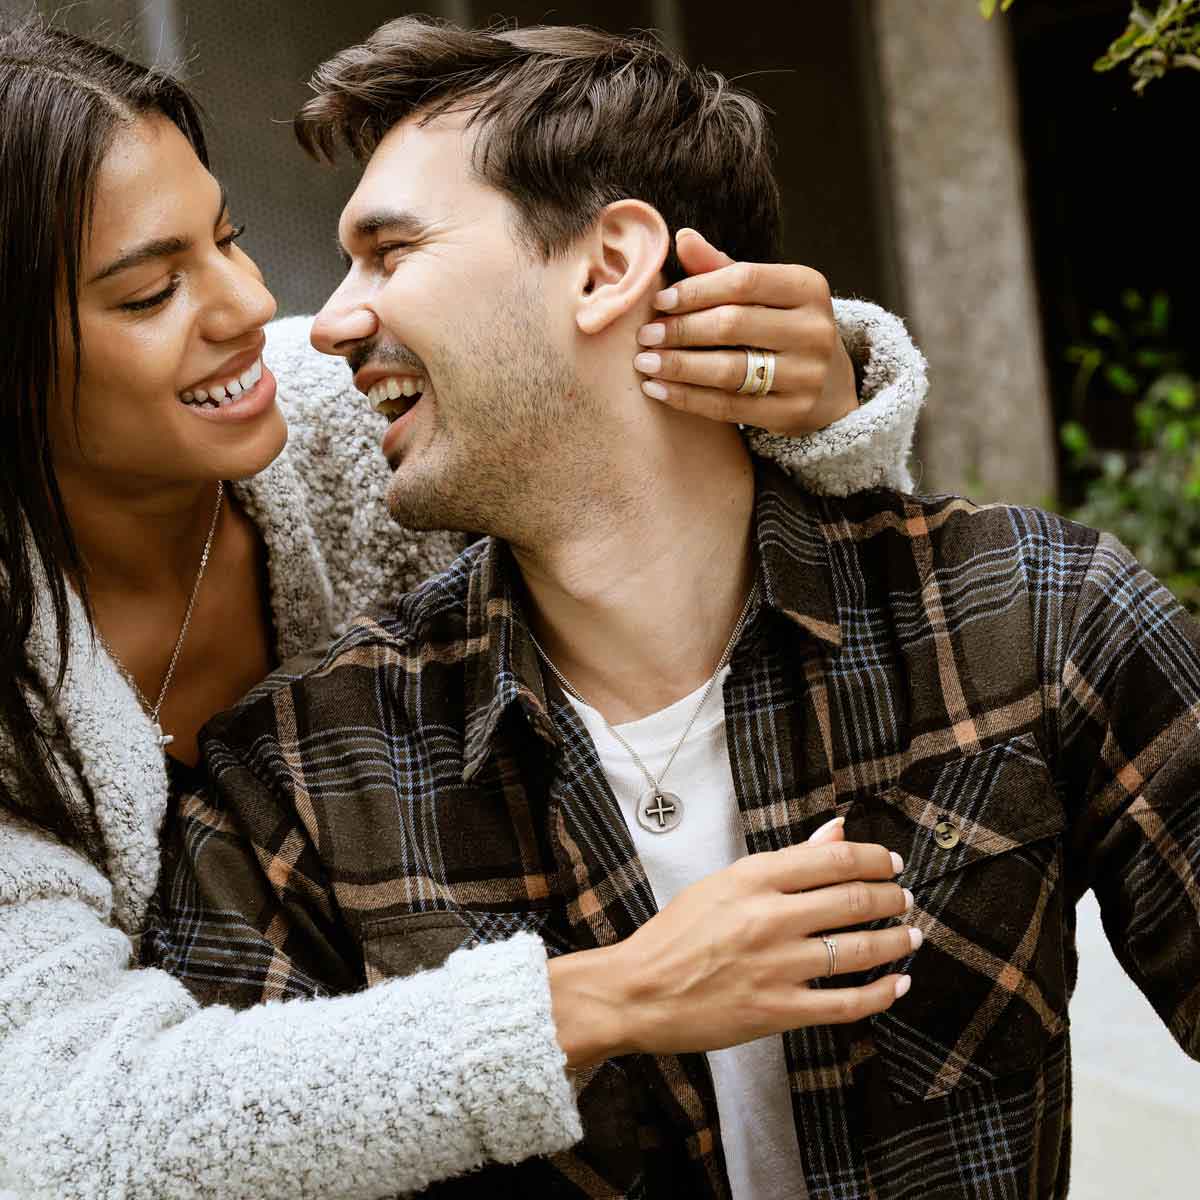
point(503, 664)
point(794, 565)
point(503, 667)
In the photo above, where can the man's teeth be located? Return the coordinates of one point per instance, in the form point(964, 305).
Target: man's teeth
point(391, 396)
point(222, 394)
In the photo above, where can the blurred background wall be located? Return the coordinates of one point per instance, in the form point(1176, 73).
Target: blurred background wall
point(977, 177)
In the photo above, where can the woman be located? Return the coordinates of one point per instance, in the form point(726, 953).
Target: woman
point(134, 386)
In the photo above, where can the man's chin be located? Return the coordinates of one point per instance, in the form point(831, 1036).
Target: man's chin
point(419, 502)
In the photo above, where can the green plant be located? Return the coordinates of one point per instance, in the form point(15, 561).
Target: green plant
point(1149, 497)
point(1154, 41)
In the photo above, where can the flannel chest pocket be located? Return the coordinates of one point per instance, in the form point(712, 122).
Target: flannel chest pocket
point(395, 946)
point(981, 838)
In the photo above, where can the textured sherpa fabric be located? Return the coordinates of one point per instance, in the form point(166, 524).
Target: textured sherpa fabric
point(869, 447)
point(113, 1083)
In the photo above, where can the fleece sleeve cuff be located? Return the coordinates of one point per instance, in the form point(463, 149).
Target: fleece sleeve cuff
point(868, 447)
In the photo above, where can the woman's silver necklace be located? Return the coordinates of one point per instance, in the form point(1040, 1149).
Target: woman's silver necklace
point(165, 739)
point(659, 811)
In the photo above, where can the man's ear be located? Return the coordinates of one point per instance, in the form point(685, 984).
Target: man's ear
point(623, 258)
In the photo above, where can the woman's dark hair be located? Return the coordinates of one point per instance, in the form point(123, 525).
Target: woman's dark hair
point(62, 102)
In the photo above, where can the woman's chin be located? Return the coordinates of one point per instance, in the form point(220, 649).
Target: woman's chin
point(243, 434)
point(257, 449)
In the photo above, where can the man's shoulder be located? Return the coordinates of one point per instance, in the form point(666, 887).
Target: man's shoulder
point(942, 530)
point(354, 672)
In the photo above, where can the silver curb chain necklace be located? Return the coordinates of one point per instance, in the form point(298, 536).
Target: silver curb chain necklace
point(165, 739)
point(658, 811)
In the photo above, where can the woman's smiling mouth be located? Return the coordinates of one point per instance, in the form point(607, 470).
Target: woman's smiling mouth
point(219, 395)
point(242, 398)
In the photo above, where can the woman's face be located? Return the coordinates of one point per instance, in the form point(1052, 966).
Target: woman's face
point(171, 382)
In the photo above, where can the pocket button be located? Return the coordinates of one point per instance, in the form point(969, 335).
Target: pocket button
point(946, 835)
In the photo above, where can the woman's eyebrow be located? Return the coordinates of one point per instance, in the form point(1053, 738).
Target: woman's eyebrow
point(158, 248)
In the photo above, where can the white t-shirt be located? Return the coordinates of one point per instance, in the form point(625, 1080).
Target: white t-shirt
point(753, 1097)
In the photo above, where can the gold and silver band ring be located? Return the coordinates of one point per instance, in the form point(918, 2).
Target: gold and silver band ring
point(760, 372)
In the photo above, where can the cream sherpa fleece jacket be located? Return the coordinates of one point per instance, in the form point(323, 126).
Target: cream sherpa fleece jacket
point(113, 1083)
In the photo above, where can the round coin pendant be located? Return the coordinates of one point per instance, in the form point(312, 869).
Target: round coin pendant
point(659, 812)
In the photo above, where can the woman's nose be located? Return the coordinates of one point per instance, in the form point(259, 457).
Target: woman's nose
point(244, 304)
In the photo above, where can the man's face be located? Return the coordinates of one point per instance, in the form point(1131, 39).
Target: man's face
point(441, 296)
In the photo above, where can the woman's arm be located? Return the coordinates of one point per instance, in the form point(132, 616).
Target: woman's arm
point(114, 1083)
point(870, 445)
point(849, 382)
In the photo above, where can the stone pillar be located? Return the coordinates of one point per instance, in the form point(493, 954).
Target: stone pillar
point(962, 244)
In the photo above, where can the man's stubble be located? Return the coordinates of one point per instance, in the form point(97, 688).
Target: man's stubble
point(513, 449)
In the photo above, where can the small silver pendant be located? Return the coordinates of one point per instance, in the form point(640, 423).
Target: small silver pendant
point(164, 739)
point(659, 811)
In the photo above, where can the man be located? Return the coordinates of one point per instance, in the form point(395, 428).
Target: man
point(664, 657)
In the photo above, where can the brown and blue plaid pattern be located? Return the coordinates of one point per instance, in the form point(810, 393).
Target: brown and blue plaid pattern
point(1010, 680)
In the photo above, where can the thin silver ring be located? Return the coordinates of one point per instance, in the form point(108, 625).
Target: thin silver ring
point(755, 363)
point(831, 950)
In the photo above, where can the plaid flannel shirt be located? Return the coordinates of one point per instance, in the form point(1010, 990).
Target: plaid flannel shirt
point(1003, 697)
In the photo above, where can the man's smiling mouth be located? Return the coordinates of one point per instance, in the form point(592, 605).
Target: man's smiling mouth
point(396, 394)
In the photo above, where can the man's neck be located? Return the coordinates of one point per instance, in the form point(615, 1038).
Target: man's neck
point(636, 609)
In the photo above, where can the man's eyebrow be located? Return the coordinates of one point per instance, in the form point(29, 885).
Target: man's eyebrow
point(159, 248)
point(380, 220)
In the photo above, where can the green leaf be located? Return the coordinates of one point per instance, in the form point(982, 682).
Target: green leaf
point(1132, 300)
point(1181, 396)
point(1174, 390)
point(987, 8)
point(1160, 313)
point(1147, 418)
point(1149, 358)
point(1122, 379)
point(1175, 436)
point(1127, 40)
point(1104, 326)
point(1075, 437)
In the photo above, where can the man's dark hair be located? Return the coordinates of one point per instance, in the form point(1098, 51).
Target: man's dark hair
point(570, 120)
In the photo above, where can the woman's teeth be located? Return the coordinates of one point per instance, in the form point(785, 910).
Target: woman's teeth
point(396, 395)
point(222, 394)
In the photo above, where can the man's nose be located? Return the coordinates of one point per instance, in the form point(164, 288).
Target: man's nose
point(342, 324)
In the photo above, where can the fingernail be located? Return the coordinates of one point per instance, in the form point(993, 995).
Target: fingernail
point(651, 364)
point(652, 335)
point(915, 937)
point(897, 863)
point(908, 900)
point(686, 229)
point(903, 983)
point(667, 298)
point(654, 389)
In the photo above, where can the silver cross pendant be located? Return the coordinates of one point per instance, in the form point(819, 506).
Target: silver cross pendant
point(659, 812)
point(164, 739)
